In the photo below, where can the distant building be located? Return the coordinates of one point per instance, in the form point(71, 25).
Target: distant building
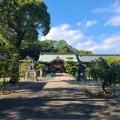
point(27, 58)
point(55, 61)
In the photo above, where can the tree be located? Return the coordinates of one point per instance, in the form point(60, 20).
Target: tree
point(92, 71)
point(1, 47)
point(60, 46)
point(30, 49)
point(106, 70)
point(40, 67)
point(20, 21)
point(114, 64)
point(85, 52)
point(70, 66)
point(100, 70)
point(70, 58)
point(5, 71)
point(24, 67)
point(63, 47)
point(48, 46)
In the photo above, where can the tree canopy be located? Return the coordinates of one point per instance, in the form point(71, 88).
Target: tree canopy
point(106, 70)
point(20, 20)
point(55, 46)
point(33, 49)
point(30, 49)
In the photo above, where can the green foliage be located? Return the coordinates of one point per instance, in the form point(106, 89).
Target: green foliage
point(70, 67)
point(6, 82)
point(48, 45)
point(4, 69)
point(5, 72)
point(7, 48)
point(69, 58)
point(30, 49)
point(60, 46)
point(24, 68)
point(20, 20)
point(84, 52)
point(114, 64)
point(107, 70)
point(33, 49)
point(41, 65)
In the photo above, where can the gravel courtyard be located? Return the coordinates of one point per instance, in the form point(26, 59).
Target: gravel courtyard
point(56, 98)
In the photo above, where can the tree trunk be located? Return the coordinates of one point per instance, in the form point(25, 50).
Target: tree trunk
point(41, 72)
point(15, 67)
point(104, 83)
point(3, 87)
point(20, 38)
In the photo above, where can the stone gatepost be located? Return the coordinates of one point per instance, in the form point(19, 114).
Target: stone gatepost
point(31, 75)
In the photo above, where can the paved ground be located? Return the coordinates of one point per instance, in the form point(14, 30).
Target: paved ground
point(56, 98)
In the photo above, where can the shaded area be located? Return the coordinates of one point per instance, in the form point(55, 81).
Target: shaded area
point(40, 102)
point(33, 108)
point(27, 86)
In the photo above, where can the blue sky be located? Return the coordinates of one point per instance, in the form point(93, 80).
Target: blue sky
point(86, 24)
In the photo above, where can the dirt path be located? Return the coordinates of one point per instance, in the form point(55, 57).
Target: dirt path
point(57, 98)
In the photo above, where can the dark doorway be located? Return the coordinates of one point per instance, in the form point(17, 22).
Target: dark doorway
point(56, 65)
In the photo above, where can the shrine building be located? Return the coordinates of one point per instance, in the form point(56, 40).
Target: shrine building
point(55, 61)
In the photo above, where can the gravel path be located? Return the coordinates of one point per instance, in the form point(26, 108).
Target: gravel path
point(56, 98)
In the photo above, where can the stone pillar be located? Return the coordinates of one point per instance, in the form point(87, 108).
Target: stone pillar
point(31, 75)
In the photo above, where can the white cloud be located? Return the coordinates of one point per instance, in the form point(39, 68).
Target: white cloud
point(114, 21)
point(114, 11)
point(84, 45)
point(64, 27)
point(112, 42)
point(113, 8)
point(63, 32)
point(79, 40)
point(90, 23)
point(108, 44)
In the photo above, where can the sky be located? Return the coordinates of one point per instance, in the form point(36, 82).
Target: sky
point(86, 24)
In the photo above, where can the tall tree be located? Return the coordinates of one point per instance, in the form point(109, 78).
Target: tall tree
point(106, 70)
point(30, 49)
point(70, 66)
point(20, 21)
point(55, 46)
point(85, 52)
point(48, 46)
point(62, 46)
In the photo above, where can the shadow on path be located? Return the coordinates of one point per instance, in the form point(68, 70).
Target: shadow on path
point(35, 102)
